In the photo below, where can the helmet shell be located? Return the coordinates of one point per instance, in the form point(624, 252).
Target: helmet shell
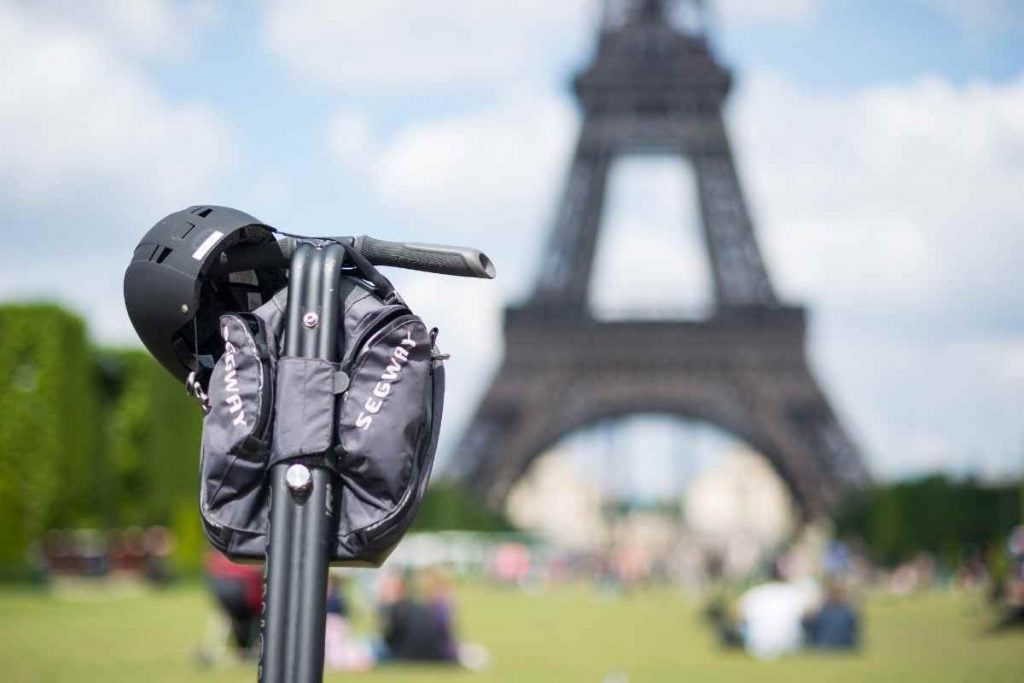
point(173, 303)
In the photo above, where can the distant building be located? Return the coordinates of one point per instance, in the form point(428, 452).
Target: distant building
point(738, 511)
point(560, 504)
point(731, 517)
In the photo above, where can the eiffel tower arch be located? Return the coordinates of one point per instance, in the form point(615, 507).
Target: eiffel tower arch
point(654, 87)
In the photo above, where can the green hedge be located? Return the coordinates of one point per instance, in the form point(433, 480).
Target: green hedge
point(49, 426)
point(934, 514)
point(448, 506)
point(152, 447)
point(89, 438)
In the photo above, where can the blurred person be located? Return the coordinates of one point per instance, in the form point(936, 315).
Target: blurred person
point(632, 566)
point(91, 552)
point(440, 603)
point(158, 545)
point(58, 552)
point(411, 630)
point(510, 563)
point(128, 556)
point(238, 590)
point(771, 615)
point(342, 650)
point(440, 600)
point(835, 625)
point(913, 575)
point(837, 558)
point(721, 616)
point(1013, 584)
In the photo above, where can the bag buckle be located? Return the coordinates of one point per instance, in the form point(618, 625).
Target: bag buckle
point(195, 390)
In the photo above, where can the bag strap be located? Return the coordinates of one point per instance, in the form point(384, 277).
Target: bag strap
point(367, 271)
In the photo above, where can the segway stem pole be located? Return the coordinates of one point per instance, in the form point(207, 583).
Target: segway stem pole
point(300, 513)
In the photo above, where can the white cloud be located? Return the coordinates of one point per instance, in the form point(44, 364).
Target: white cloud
point(94, 152)
point(765, 11)
point(488, 178)
point(410, 46)
point(981, 15)
point(391, 44)
point(913, 189)
point(350, 137)
point(894, 212)
point(495, 159)
point(150, 28)
point(78, 115)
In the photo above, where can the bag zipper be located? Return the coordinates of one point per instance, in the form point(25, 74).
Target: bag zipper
point(381, 325)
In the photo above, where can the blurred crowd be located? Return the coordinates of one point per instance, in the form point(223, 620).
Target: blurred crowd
point(413, 613)
point(407, 611)
point(784, 614)
point(132, 553)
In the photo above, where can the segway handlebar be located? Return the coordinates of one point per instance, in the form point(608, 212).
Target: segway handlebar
point(430, 258)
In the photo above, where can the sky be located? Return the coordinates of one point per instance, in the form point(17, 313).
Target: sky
point(880, 143)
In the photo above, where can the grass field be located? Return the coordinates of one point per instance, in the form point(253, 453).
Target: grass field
point(569, 634)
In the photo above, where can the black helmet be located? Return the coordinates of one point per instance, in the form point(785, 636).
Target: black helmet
point(173, 301)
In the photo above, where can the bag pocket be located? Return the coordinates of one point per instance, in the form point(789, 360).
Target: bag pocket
point(236, 436)
point(241, 389)
point(374, 543)
point(384, 420)
point(305, 408)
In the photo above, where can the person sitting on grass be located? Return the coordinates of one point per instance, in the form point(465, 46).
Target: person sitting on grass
point(238, 591)
point(343, 651)
point(835, 625)
point(410, 630)
point(423, 631)
point(771, 615)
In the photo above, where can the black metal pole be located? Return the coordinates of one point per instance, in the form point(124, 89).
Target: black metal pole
point(296, 571)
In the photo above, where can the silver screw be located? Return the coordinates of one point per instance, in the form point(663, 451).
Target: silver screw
point(298, 478)
point(311, 319)
point(184, 309)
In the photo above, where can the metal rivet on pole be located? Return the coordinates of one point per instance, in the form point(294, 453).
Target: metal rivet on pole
point(310, 320)
point(298, 478)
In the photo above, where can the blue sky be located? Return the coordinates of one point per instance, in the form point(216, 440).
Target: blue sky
point(881, 145)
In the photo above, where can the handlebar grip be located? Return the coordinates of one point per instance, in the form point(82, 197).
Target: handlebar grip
point(431, 258)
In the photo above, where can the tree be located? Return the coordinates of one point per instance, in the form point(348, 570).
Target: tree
point(933, 514)
point(153, 431)
point(449, 506)
point(49, 433)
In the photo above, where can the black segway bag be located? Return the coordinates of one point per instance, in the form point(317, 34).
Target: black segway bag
point(372, 419)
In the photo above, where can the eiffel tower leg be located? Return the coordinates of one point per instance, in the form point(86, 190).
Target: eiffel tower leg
point(815, 431)
point(565, 271)
point(740, 277)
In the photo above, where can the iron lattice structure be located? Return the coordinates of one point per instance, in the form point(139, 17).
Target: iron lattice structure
point(654, 87)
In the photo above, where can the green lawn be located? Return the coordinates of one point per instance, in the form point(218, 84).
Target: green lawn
point(562, 635)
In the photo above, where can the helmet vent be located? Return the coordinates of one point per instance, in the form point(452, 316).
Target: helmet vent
point(203, 213)
point(164, 253)
point(189, 227)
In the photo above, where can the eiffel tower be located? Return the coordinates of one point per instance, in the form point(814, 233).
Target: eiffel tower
point(654, 87)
